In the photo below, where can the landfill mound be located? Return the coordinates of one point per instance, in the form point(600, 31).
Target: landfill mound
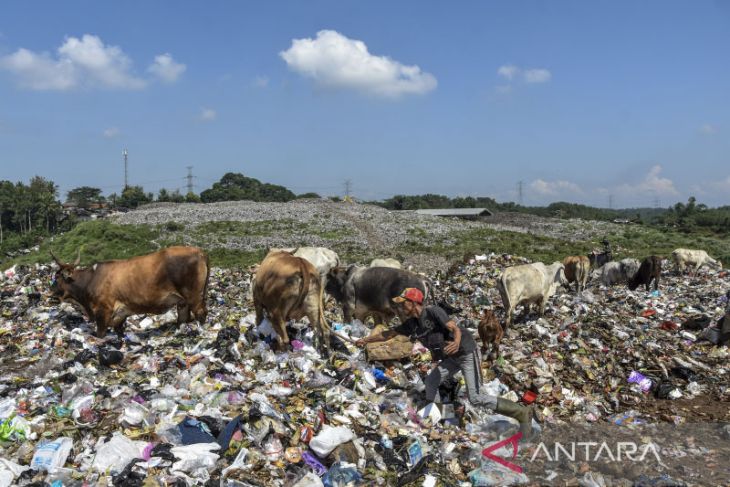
point(215, 405)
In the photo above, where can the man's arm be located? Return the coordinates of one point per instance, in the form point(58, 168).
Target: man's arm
point(453, 347)
point(381, 336)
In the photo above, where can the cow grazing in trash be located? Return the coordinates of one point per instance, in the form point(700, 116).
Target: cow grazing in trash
point(527, 284)
point(368, 291)
point(111, 291)
point(618, 272)
point(577, 270)
point(694, 259)
point(288, 288)
point(649, 270)
point(490, 332)
point(598, 259)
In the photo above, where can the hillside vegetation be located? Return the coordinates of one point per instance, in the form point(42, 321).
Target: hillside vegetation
point(239, 233)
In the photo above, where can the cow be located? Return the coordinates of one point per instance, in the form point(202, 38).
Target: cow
point(529, 283)
point(368, 291)
point(490, 332)
point(577, 269)
point(649, 270)
point(111, 291)
point(385, 263)
point(599, 259)
point(323, 259)
point(695, 258)
point(288, 288)
point(617, 272)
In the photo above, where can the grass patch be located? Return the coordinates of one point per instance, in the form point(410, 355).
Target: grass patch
point(98, 241)
point(222, 229)
point(222, 257)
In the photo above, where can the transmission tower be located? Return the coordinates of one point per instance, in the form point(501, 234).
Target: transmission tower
point(519, 192)
point(190, 179)
point(124, 153)
point(610, 201)
point(348, 187)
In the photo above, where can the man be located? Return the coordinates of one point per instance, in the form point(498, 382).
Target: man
point(455, 350)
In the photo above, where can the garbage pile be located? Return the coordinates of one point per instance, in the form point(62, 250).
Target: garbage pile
point(217, 405)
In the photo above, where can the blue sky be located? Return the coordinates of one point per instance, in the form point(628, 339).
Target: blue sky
point(578, 100)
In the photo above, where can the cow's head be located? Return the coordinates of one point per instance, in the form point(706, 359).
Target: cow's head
point(64, 276)
point(559, 278)
point(336, 280)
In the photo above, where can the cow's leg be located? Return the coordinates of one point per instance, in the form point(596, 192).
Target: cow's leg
point(102, 318)
point(322, 334)
point(183, 313)
point(656, 283)
point(200, 311)
point(347, 311)
point(541, 304)
point(279, 326)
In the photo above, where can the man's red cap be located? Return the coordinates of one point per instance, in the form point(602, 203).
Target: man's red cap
point(411, 294)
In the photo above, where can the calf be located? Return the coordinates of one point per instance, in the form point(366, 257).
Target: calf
point(649, 270)
point(490, 332)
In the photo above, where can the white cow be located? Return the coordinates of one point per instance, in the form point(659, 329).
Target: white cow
point(529, 283)
point(695, 258)
point(323, 259)
point(617, 272)
point(385, 263)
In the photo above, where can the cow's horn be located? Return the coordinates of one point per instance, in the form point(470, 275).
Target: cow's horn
point(58, 261)
point(78, 258)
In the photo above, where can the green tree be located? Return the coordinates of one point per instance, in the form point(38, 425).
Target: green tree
point(133, 196)
point(163, 195)
point(84, 196)
point(192, 198)
point(308, 195)
point(236, 186)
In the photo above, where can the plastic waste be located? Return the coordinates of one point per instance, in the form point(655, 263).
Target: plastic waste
point(116, 453)
point(109, 356)
point(341, 474)
point(9, 471)
point(309, 480)
point(330, 438)
point(193, 457)
point(51, 455)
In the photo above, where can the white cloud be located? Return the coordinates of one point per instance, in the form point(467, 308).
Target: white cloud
point(84, 63)
point(708, 129)
point(537, 75)
point(554, 188)
point(261, 81)
point(166, 69)
point(111, 132)
point(652, 184)
point(508, 71)
point(503, 89)
point(208, 115)
point(333, 60)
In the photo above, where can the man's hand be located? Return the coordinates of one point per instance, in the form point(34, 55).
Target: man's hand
point(360, 343)
point(451, 348)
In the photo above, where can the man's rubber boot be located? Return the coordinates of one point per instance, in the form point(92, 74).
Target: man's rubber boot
point(523, 414)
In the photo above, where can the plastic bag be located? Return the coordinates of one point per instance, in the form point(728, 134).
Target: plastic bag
point(341, 475)
point(194, 457)
point(10, 470)
point(330, 438)
point(309, 480)
point(51, 455)
point(116, 453)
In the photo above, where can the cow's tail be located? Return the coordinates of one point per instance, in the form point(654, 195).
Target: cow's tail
point(306, 282)
point(322, 321)
point(428, 294)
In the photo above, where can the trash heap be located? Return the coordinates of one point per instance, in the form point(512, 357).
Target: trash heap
point(216, 405)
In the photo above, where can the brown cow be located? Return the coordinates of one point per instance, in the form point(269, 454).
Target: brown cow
point(289, 288)
point(577, 269)
point(490, 332)
point(111, 291)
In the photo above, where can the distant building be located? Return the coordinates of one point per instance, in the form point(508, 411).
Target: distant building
point(464, 213)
